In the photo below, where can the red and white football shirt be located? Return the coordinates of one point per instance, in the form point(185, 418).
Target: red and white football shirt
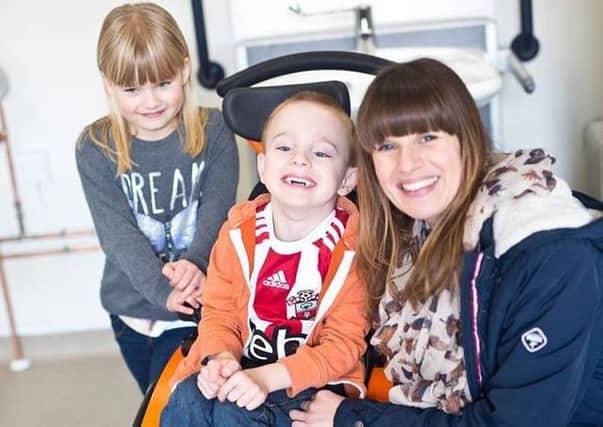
point(285, 285)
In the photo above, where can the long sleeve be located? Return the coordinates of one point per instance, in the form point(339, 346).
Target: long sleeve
point(120, 238)
point(218, 191)
point(557, 290)
point(221, 324)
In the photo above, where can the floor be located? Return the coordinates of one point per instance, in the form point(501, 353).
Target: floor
point(74, 380)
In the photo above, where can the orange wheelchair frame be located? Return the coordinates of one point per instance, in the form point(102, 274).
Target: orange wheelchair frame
point(158, 394)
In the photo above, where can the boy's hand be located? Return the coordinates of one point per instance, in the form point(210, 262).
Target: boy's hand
point(215, 374)
point(245, 388)
point(249, 388)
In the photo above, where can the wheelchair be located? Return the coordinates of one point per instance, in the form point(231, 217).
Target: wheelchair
point(245, 108)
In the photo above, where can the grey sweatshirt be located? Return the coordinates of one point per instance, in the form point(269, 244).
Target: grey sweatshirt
point(169, 206)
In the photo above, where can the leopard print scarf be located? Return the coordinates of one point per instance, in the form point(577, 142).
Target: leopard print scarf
point(423, 346)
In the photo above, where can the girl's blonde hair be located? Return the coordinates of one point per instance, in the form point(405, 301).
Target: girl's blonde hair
point(140, 43)
point(407, 98)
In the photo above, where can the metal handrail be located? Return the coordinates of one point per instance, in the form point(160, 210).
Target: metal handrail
point(210, 73)
point(525, 45)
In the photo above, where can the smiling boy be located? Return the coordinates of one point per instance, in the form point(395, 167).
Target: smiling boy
point(283, 309)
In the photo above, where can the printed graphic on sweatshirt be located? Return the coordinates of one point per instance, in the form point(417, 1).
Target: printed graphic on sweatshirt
point(289, 280)
point(153, 195)
point(171, 238)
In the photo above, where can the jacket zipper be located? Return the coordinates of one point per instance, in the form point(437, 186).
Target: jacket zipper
point(470, 310)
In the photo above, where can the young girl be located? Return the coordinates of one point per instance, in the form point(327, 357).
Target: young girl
point(159, 175)
point(484, 271)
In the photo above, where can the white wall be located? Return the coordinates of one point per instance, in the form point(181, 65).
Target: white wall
point(48, 51)
point(569, 82)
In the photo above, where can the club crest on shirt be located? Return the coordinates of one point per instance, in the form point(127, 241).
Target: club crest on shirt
point(305, 303)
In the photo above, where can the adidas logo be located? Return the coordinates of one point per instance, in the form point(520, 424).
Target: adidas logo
point(277, 280)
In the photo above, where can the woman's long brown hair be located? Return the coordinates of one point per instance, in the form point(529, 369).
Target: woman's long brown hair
point(415, 97)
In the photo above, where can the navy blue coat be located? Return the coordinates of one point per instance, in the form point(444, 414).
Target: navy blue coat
point(532, 323)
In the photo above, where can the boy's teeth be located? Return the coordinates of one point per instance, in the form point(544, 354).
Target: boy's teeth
point(298, 181)
point(417, 185)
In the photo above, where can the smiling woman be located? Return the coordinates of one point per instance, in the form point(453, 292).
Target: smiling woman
point(475, 264)
point(419, 173)
point(159, 175)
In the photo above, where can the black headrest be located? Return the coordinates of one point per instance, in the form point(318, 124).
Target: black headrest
point(246, 109)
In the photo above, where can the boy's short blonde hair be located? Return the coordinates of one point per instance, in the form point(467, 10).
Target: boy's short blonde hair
point(326, 101)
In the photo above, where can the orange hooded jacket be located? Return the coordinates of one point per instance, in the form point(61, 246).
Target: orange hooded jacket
point(334, 348)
